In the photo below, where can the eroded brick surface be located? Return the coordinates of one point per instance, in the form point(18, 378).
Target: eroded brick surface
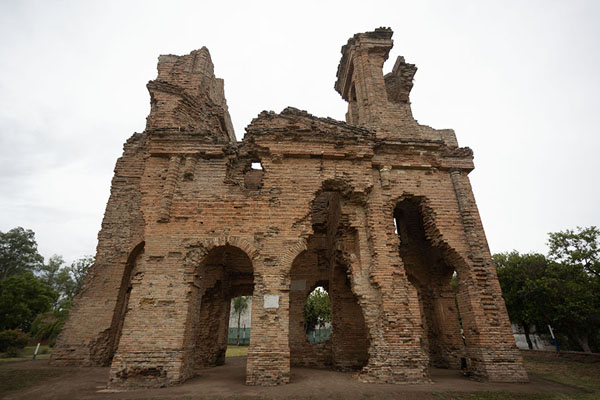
point(377, 209)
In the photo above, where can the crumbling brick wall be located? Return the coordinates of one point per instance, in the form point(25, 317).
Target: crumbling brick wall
point(378, 209)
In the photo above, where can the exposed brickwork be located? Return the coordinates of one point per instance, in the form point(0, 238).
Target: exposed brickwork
point(378, 209)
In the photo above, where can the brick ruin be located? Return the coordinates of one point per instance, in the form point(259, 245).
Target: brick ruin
point(378, 210)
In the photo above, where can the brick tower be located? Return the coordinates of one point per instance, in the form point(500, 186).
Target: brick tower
point(378, 210)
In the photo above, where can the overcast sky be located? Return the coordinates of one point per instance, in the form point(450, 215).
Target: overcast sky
point(518, 82)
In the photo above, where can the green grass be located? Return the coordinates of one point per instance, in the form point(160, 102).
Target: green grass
point(236, 351)
point(582, 375)
point(27, 354)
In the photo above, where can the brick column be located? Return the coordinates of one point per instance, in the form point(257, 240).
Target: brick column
point(151, 350)
point(269, 352)
point(490, 342)
point(395, 354)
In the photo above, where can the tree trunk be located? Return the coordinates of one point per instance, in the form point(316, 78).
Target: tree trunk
point(526, 329)
point(238, 331)
point(583, 342)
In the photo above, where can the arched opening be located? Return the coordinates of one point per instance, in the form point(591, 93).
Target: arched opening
point(317, 315)
point(225, 273)
point(430, 273)
point(132, 266)
point(322, 266)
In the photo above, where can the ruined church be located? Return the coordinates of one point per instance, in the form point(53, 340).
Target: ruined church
point(377, 209)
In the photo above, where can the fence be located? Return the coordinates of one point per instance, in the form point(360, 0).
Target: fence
point(316, 336)
point(319, 335)
point(244, 336)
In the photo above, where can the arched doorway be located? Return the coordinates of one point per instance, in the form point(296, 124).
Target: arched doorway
point(226, 272)
point(321, 265)
point(430, 272)
point(133, 265)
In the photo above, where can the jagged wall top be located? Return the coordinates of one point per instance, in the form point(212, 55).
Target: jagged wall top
point(382, 36)
point(187, 97)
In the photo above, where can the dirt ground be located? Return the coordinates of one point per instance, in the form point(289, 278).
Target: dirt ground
point(227, 381)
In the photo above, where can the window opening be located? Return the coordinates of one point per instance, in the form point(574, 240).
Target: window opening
point(318, 315)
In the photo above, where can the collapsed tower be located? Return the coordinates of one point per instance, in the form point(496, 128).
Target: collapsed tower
point(378, 210)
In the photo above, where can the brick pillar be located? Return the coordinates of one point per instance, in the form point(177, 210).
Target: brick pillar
point(152, 350)
point(490, 342)
point(396, 354)
point(269, 352)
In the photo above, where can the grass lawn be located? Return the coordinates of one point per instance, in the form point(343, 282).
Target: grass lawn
point(585, 376)
point(27, 354)
point(236, 351)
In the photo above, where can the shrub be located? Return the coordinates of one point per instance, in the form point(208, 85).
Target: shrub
point(12, 338)
point(13, 352)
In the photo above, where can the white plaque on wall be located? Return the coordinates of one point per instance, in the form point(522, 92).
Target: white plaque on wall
point(271, 301)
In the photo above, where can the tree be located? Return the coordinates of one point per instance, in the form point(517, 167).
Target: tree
point(318, 309)
point(574, 280)
point(66, 281)
point(579, 249)
point(520, 277)
point(240, 304)
point(22, 297)
point(78, 270)
point(50, 272)
point(18, 252)
point(572, 303)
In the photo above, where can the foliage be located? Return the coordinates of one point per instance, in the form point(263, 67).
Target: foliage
point(48, 325)
point(18, 252)
point(520, 277)
point(318, 309)
point(580, 249)
point(22, 297)
point(240, 304)
point(563, 289)
point(574, 285)
point(13, 352)
point(12, 338)
point(66, 280)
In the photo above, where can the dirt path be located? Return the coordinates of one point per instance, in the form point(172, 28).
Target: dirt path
point(227, 381)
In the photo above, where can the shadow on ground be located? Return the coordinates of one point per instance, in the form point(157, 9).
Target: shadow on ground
point(41, 381)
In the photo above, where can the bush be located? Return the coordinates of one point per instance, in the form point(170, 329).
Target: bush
point(13, 352)
point(12, 338)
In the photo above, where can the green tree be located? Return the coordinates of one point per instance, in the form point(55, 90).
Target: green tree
point(22, 297)
point(18, 252)
point(524, 293)
point(65, 280)
point(573, 304)
point(77, 271)
point(574, 282)
point(49, 324)
point(50, 272)
point(318, 309)
point(240, 304)
point(578, 249)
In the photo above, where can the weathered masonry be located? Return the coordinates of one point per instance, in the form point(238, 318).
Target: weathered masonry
point(378, 210)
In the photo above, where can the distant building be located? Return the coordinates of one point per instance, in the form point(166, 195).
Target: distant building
point(539, 340)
